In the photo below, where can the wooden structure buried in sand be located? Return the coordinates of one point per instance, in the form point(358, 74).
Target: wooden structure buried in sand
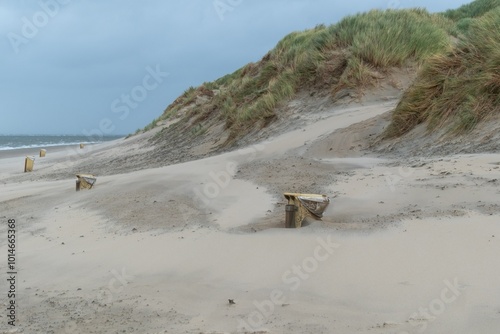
point(301, 206)
point(85, 181)
point(82, 145)
point(29, 164)
point(42, 153)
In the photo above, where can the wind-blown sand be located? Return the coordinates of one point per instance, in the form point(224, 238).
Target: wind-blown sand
point(407, 245)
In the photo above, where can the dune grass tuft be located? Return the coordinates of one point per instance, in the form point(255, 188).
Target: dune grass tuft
point(459, 88)
point(344, 55)
point(472, 10)
point(353, 54)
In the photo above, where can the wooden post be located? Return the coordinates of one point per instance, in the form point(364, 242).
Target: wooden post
point(29, 164)
point(42, 153)
point(290, 210)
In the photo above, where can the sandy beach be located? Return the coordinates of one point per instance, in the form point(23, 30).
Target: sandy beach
point(408, 245)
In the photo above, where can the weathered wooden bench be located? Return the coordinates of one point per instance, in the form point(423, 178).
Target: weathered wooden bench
point(301, 206)
point(85, 181)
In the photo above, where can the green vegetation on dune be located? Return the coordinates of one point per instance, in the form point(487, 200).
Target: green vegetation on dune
point(466, 14)
point(472, 10)
point(458, 78)
point(391, 38)
point(345, 55)
point(459, 88)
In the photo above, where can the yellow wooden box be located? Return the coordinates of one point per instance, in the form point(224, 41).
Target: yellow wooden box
point(301, 206)
point(29, 164)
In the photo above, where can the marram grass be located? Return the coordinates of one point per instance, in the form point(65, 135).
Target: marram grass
point(458, 88)
point(457, 81)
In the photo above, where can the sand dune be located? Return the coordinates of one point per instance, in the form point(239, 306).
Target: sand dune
point(407, 246)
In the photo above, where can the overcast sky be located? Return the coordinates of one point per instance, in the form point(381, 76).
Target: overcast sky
point(112, 66)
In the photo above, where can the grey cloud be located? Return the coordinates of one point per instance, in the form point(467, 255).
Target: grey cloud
point(93, 51)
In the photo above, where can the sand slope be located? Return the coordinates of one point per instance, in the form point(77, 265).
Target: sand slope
point(408, 245)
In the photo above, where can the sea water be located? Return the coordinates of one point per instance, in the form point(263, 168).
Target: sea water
point(8, 142)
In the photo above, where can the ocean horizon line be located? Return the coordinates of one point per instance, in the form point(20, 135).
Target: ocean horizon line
point(57, 135)
point(13, 142)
